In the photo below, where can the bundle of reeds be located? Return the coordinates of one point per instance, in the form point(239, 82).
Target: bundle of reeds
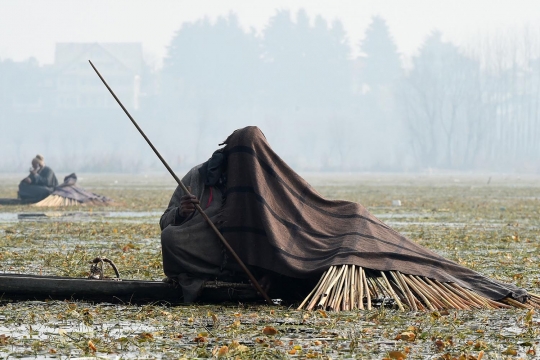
point(350, 287)
point(57, 200)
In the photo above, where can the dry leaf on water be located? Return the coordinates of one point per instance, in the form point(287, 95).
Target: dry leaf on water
point(3, 339)
point(215, 319)
point(406, 336)
point(145, 336)
point(439, 344)
point(323, 313)
point(222, 351)
point(269, 330)
point(235, 324)
point(529, 317)
point(92, 346)
point(396, 355)
point(199, 339)
point(479, 345)
point(510, 351)
point(242, 348)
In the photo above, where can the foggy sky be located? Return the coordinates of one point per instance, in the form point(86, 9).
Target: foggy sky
point(340, 86)
point(31, 27)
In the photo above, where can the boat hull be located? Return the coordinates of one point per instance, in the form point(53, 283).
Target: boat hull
point(35, 287)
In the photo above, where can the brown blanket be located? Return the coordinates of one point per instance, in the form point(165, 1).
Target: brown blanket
point(275, 220)
point(69, 189)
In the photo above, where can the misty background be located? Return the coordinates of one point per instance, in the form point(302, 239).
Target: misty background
point(324, 101)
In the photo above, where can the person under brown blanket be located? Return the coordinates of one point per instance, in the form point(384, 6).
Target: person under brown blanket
point(277, 222)
point(192, 253)
point(40, 183)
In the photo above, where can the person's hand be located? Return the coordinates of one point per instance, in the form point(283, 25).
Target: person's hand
point(34, 171)
point(27, 180)
point(187, 205)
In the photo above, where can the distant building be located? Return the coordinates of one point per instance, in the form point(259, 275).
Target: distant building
point(77, 86)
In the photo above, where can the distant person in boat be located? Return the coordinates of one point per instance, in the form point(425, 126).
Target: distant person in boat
point(40, 183)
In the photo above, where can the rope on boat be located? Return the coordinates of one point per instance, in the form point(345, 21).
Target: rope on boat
point(96, 269)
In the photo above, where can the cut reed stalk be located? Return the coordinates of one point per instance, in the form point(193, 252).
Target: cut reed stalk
point(360, 289)
point(334, 302)
point(329, 285)
point(348, 290)
point(481, 299)
point(409, 296)
point(400, 305)
point(328, 301)
point(462, 290)
point(443, 294)
point(315, 289)
point(432, 296)
point(413, 286)
point(344, 298)
point(534, 298)
point(516, 303)
point(499, 304)
point(320, 289)
point(352, 298)
point(368, 296)
point(402, 291)
point(378, 290)
point(418, 303)
point(462, 296)
point(458, 299)
point(372, 287)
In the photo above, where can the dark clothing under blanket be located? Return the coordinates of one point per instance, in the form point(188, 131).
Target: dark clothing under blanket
point(275, 220)
point(42, 185)
point(69, 189)
point(192, 253)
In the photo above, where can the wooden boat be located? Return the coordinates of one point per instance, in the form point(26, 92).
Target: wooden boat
point(10, 201)
point(36, 287)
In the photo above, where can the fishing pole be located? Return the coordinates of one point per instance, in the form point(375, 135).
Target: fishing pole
point(184, 188)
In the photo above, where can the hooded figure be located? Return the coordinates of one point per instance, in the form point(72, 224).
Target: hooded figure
point(279, 225)
point(40, 183)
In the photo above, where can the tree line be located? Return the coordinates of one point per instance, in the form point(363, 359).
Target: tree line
point(451, 109)
point(324, 108)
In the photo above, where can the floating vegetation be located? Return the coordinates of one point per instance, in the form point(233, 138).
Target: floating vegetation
point(493, 229)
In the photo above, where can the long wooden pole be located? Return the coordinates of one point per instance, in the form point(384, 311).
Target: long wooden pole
point(197, 206)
